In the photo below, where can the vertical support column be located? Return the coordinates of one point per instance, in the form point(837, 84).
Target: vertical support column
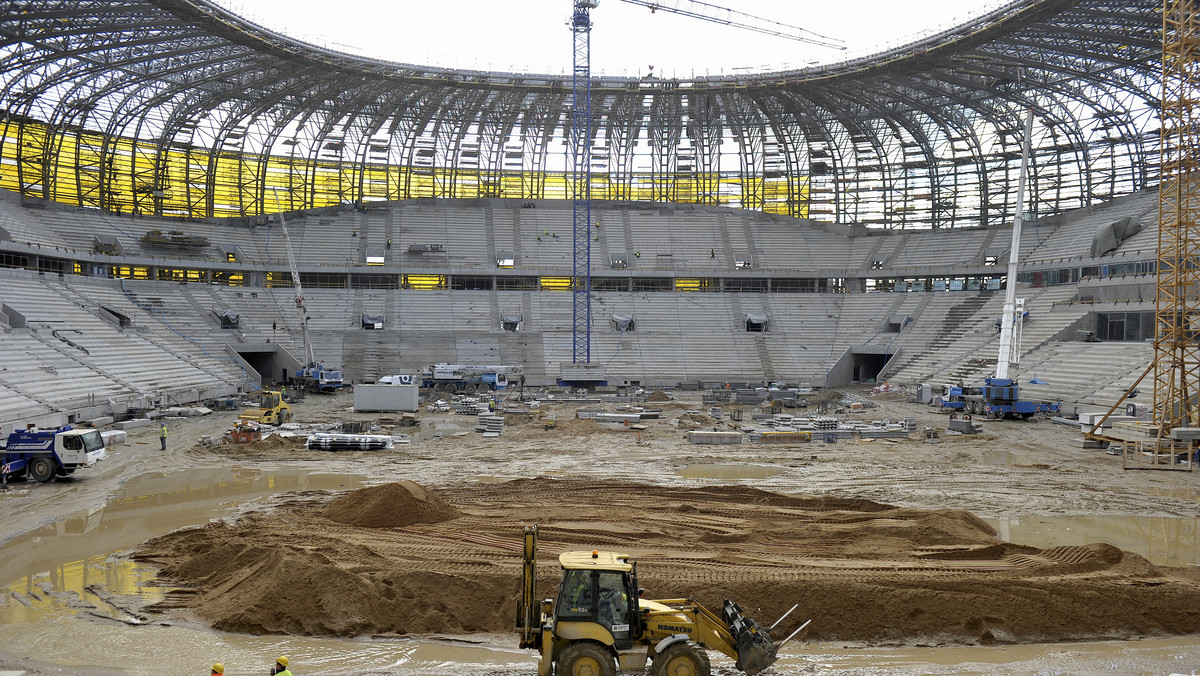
point(1176, 344)
point(581, 183)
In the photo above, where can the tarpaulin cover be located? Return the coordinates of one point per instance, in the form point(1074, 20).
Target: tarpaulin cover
point(757, 318)
point(229, 318)
point(622, 322)
point(510, 319)
point(1110, 236)
point(371, 319)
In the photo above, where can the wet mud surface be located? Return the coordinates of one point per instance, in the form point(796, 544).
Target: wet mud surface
point(888, 546)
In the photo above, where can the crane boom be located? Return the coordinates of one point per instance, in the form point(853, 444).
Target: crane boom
point(1010, 318)
point(310, 357)
point(731, 17)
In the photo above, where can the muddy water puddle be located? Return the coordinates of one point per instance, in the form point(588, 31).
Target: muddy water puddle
point(64, 581)
point(69, 564)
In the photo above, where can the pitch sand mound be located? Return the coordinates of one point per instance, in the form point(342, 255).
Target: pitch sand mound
point(861, 570)
point(390, 505)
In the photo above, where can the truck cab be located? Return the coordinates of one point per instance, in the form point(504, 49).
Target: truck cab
point(45, 454)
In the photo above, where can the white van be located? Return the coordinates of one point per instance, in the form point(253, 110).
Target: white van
point(395, 380)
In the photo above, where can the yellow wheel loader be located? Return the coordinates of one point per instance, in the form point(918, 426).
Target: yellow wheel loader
point(272, 409)
point(599, 623)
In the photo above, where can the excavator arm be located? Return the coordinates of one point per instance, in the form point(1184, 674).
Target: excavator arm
point(529, 619)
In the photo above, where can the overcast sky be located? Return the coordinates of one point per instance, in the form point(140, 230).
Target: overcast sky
point(532, 36)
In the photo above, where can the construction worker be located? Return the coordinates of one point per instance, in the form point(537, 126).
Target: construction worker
point(389, 244)
point(162, 434)
point(281, 667)
point(218, 669)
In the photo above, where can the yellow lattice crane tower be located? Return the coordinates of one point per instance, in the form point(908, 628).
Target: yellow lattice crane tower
point(1170, 441)
point(1177, 300)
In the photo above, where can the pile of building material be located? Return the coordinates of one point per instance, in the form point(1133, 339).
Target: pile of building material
point(875, 432)
point(824, 424)
point(781, 428)
point(628, 418)
point(348, 442)
point(964, 426)
point(469, 406)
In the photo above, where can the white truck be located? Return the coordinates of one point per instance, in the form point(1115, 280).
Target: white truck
point(43, 455)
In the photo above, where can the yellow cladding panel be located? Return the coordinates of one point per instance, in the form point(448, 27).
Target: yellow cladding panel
point(128, 272)
point(175, 275)
point(555, 283)
point(193, 181)
point(425, 282)
point(691, 284)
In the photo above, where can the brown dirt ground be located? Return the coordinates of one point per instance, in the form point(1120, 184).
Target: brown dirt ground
point(401, 559)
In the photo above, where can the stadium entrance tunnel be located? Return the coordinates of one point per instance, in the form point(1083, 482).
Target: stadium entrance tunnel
point(271, 362)
point(860, 364)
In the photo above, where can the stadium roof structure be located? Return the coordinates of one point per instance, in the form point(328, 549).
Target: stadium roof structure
point(180, 107)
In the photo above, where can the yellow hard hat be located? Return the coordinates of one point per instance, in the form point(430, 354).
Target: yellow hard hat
point(282, 660)
point(218, 668)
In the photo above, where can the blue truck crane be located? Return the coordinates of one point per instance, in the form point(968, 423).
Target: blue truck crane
point(43, 455)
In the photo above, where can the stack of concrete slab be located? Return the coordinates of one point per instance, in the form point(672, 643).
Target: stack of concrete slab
point(1088, 420)
point(133, 423)
point(491, 425)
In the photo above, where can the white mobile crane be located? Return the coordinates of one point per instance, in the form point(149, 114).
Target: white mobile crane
point(1000, 396)
point(313, 375)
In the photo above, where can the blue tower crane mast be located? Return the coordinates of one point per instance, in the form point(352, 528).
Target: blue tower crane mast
point(580, 140)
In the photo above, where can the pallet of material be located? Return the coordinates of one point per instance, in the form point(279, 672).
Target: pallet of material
point(700, 437)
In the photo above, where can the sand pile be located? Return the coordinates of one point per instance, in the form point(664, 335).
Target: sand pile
point(390, 505)
point(251, 583)
point(658, 395)
point(861, 570)
point(695, 421)
point(276, 442)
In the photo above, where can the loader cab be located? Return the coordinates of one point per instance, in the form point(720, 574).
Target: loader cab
point(269, 399)
point(598, 588)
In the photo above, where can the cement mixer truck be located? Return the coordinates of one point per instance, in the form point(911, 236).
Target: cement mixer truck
point(469, 378)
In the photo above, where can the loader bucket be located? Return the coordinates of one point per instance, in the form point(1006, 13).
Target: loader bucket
point(755, 649)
